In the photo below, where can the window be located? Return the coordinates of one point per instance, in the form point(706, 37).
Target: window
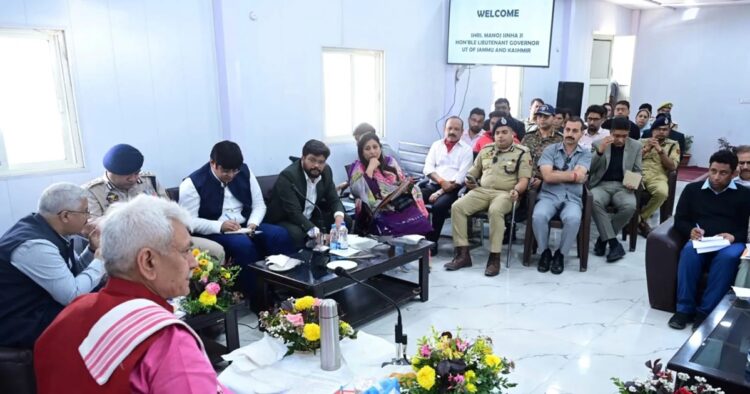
point(38, 126)
point(506, 82)
point(352, 90)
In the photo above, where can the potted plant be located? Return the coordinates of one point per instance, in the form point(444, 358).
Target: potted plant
point(211, 286)
point(687, 155)
point(664, 381)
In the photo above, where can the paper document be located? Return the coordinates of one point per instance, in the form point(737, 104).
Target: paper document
point(741, 292)
point(710, 244)
point(632, 179)
point(244, 230)
point(348, 252)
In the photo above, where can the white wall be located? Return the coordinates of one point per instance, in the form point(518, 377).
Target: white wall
point(701, 66)
point(144, 73)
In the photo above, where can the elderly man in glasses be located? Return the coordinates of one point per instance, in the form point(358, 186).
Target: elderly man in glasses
point(563, 166)
point(39, 271)
point(499, 176)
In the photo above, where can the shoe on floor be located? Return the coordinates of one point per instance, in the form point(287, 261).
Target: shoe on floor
point(544, 261)
point(558, 263)
point(699, 318)
point(493, 265)
point(679, 320)
point(615, 253)
point(600, 248)
point(643, 228)
point(461, 259)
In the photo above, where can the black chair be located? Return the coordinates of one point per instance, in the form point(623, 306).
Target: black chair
point(266, 183)
point(17, 371)
point(173, 193)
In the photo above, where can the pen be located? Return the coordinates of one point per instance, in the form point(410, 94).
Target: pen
point(699, 228)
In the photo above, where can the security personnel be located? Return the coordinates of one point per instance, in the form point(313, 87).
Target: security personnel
point(541, 137)
point(123, 180)
point(660, 156)
point(503, 170)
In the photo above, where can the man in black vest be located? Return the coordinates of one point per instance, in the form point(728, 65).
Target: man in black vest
point(304, 198)
point(227, 206)
point(39, 271)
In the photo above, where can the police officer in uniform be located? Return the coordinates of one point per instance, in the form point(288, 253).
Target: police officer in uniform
point(123, 180)
point(660, 156)
point(541, 137)
point(502, 170)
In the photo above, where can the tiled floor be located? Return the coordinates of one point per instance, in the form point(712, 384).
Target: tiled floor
point(567, 333)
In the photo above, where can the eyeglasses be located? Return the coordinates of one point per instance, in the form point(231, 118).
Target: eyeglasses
point(85, 213)
point(593, 119)
point(566, 166)
point(224, 171)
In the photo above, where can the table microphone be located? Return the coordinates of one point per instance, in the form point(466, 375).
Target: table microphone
point(296, 190)
point(400, 358)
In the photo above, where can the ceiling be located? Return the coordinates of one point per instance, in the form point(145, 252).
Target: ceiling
point(654, 4)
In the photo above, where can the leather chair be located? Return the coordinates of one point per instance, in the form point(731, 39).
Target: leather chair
point(266, 183)
point(663, 247)
point(17, 371)
point(173, 193)
point(584, 231)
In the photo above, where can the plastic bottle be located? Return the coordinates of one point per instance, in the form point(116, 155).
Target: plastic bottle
point(333, 240)
point(343, 237)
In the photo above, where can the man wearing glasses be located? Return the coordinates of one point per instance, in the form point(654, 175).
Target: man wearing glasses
point(595, 115)
point(499, 176)
point(40, 272)
point(563, 166)
point(123, 180)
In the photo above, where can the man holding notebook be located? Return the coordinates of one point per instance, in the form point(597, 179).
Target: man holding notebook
point(714, 208)
point(615, 174)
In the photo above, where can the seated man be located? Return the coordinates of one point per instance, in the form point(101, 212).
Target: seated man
point(540, 137)
point(304, 199)
point(39, 271)
point(613, 155)
point(503, 170)
point(743, 165)
point(595, 115)
point(126, 338)
point(474, 132)
point(224, 196)
point(563, 166)
point(716, 207)
point(660, 156)
point(123, 180)
point(445, 166)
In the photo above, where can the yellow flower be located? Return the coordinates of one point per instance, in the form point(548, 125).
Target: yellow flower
point(209, 266)
point(207, 299)
point(492, 360)
point(196, 252)
point(345, 326)
point(426, 377)
point(470, 375)
point(471, 388)
point(227, 275)
point(203, 262)
point(304, 303)
point(415, 361)
point(311, 332)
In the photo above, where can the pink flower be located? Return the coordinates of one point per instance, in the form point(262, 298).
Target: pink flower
point(425, 351)
point(213, 288)
point(204, 279)
point(458, 379)
point(461, 345)
point(296, 319)
point(317, 302)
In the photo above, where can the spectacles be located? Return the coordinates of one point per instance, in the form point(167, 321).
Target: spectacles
point(85, 213)
point(593, 119)
point(566, 166)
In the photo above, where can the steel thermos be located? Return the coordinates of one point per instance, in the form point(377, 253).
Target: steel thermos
point(330, 351)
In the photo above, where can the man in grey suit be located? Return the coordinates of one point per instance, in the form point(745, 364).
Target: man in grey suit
point(612, 156)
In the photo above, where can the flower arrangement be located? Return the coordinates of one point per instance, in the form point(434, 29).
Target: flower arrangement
point(210, 285)
point(665, 382)
point(450, 364)
point(296, 322)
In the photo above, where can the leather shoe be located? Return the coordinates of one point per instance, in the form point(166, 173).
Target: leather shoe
point(558, 263)
point(461, 259)
point(615, 253)
point(679, 320)
point(544, 261)
point(699, 318)
point(644, 229)
point(493, 265)
point(600, 247)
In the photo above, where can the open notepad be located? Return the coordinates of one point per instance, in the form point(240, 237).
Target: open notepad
point(710, 244)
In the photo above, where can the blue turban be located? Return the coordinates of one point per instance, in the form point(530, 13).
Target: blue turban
point(123, 159)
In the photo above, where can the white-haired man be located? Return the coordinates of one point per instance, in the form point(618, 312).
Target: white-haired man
point(39, 270)
point(126, 338)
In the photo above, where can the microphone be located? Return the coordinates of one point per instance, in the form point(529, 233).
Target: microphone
point(400, 358)
point(299, 193)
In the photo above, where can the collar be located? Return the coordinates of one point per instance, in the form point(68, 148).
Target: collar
point(511, 148)
point(111, 186)
point(561, 147)
point(124, 287)
point(741, 181)
point(216, 177)
point(707, 185)
point(449, 145)
point(307, 178)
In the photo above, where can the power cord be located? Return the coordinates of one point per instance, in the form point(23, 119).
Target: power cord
point(457, 78)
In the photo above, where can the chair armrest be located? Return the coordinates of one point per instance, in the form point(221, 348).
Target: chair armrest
point(663, 247)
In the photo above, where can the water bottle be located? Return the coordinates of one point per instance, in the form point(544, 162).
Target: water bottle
point(330, 349)
point(333, 238)
point(343, 234)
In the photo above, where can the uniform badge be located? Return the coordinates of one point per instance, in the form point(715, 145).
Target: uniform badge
point(503, 121)
point(112, 197)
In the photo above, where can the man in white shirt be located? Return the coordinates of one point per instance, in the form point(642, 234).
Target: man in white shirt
point(227, 206)
point(595, 115)
point(474, 132)
point(446, 165)
point(743, 165)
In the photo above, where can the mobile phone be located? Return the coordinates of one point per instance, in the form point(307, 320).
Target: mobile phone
point(471, 179)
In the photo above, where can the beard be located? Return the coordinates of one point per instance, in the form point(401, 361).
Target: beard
point(312, 172)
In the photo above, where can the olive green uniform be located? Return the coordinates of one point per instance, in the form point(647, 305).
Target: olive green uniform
point(497, 172)
point(655, 175)
point(536, 144)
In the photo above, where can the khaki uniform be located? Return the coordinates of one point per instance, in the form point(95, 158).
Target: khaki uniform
point(536, 144)
point(655, 175)
point(102, 194)
point(497, 172)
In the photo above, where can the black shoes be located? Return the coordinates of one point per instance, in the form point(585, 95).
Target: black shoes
point(600, 248)
point(699, 318)
point(679, 320)
point(544, 261)
point(616, 252)
point(558, 263)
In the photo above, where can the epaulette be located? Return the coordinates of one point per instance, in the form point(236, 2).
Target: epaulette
point(94, 182)
point(522, 147)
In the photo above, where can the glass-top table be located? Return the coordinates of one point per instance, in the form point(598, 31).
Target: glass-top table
point(717, 350)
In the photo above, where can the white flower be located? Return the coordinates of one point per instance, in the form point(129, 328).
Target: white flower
point(683, 376)
point(632, 389)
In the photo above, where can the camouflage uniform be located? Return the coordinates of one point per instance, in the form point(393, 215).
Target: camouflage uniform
point(536, 144)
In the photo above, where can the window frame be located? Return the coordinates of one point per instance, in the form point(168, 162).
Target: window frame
point(64, 92)
point(380, 76)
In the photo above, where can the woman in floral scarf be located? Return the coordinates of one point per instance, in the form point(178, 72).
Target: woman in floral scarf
point(374, 177)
